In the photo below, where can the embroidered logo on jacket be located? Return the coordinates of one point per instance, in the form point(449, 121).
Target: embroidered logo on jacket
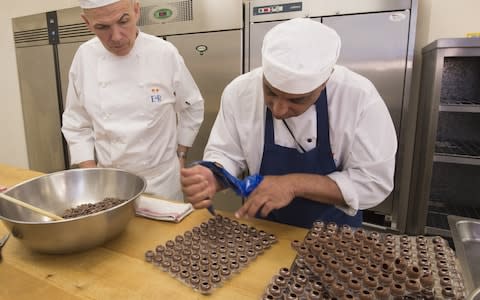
point(155, 97)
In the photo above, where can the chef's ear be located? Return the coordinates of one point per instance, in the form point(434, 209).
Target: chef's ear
point(85, 19)
point(136, 8)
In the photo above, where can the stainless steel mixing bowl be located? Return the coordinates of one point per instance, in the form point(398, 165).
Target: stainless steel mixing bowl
point(62, 190)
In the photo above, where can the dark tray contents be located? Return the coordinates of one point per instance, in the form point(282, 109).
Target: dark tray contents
point(343, 263)
point(206, 256)
point(90, 208)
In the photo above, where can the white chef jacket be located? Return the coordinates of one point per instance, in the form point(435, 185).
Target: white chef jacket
point(131, 112)
point(362, 135)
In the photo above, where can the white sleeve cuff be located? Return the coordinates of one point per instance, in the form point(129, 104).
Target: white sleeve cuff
point(347, 210)
point(186, 136)
point(190, 120)
point(81, 152)
point(348, 193)
point(227, 164)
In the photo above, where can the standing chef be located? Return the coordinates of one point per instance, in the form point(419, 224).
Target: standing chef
point(320, 134)
point(131, 102)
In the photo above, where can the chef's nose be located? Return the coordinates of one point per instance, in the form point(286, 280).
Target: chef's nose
point(116, 33)
point(279, 108)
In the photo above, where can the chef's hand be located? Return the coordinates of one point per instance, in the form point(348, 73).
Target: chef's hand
point(273, 192)
point(87, 164)
point(198, 185)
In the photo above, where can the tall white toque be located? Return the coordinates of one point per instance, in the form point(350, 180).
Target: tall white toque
point(299, 55)
point(86, 4)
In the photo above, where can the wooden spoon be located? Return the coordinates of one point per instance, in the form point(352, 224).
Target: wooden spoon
point(31, 207)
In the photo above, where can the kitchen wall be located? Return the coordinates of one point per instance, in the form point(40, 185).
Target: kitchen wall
point(436, 19)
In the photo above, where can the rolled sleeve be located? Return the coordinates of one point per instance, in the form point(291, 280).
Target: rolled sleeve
point(365, 187)
point(186, 135)
point(81, 152)
point(366, 176)
point(347, 188)
point(226, 163)
point(189, 121)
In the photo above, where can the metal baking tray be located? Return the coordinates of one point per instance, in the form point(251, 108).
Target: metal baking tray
point(466, 237)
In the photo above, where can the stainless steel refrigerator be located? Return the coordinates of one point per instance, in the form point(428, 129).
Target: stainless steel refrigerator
point(37, 57)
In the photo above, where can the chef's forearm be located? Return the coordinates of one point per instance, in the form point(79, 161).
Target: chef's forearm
point(317, 188)
point(182, 148)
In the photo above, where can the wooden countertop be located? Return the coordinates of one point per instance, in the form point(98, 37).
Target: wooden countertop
point(117, 270)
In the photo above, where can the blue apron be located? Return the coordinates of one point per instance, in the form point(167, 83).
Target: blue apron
point(279, 160)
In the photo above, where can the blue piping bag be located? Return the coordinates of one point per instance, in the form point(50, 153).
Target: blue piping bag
point(241, 187)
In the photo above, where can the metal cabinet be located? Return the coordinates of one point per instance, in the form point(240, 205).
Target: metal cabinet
point(446, 172)
point(39, 96)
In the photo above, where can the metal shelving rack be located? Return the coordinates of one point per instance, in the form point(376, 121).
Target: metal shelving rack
point(446, 171)
point(459, 104)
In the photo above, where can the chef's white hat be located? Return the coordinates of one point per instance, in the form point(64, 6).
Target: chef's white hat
point(85, 4)
point(299, 55)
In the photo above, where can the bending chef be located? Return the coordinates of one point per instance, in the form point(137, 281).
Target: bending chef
point(320, 134)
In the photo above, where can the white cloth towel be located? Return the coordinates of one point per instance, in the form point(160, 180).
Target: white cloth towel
point(161, 209)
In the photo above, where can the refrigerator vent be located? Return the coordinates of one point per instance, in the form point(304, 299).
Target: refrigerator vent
point(28, 36)
point(171, 12)
point(74, 30)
